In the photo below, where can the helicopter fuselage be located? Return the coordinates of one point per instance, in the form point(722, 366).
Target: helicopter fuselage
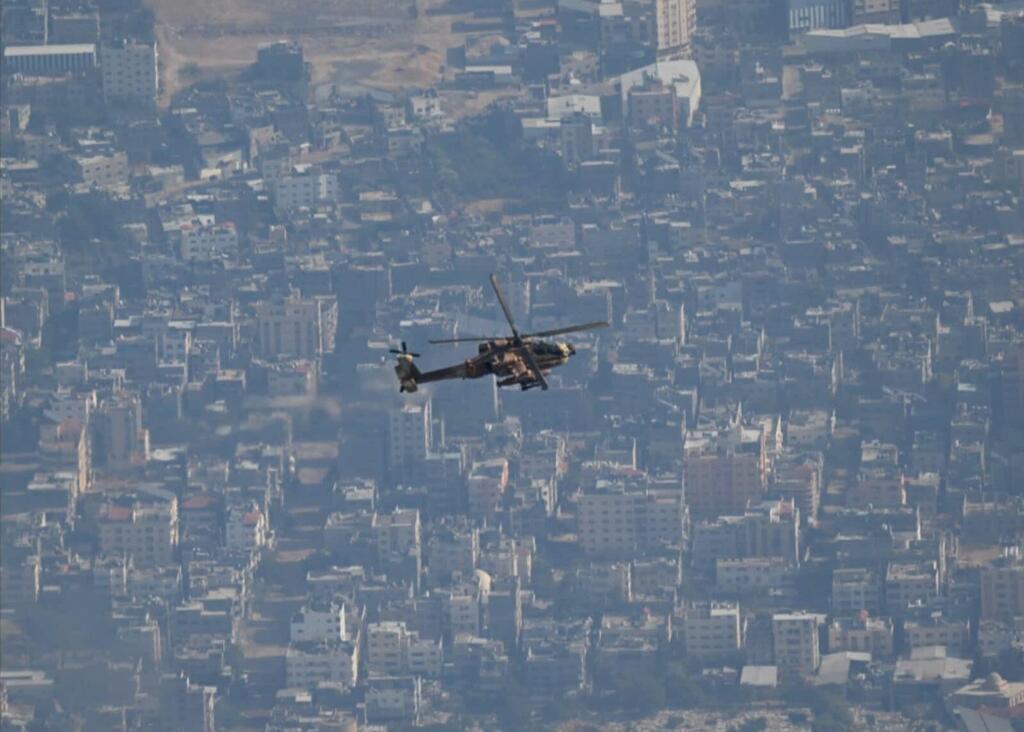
point(502, 358)
point(521, 360)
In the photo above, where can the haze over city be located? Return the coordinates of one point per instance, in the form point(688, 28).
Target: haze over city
point(557, 365)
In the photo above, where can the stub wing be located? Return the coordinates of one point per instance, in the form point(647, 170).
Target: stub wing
point(538, 375)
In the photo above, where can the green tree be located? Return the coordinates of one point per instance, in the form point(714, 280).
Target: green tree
point(640, 694)
point(830, 712)
point(683, 691)
point(757, 724)
point(514, 713)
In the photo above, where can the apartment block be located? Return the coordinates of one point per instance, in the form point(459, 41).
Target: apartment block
point(617, 519)
point(308, 664)
point(296, 327)
point(724, 470)
point(795, 637)
point(319, 622)
point(712, 630)
point(392, 649)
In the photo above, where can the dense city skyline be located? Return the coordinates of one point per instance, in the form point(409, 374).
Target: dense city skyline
point(773, 478)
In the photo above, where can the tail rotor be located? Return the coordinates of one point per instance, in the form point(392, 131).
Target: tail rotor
point(404, 352)
point(405, 369)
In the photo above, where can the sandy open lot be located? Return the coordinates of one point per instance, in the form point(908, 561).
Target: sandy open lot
point(380, 44)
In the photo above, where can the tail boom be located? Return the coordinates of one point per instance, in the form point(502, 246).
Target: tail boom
point(407, 374)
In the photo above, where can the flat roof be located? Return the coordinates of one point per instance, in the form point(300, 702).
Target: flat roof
point(759, 676)
point(55, 49)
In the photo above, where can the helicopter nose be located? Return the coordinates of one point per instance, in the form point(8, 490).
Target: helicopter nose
point(571, 349)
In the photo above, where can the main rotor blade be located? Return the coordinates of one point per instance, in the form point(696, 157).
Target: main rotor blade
point(504, 306)
point(469, 339)
point(534, 367)
point(567, 329)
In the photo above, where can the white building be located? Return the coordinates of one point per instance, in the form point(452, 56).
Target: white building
point(955, 635)
point(205, 242)
point(102, 170)
point(682, 74)
point(808, 429)
point(712, 630)
point(174, 341)
point(296, 327)
point(396, 534)
point(52, 59)
point(614, 519)
point(862, 634)
point(393, 698)
point(566, 105)
point(392, 649)
point(304, 188)
point(805, 15)
point(464, 614)
point(67, 405)
point(307, 665)
point(855, 589)
point(995, 636)
point(296, 378)
point(128, 71)
point(910, 583)
point(676, 21)
point(246, 528)
point(409, 436)
point(146, 533)
point(797, 649)
point(319, 623)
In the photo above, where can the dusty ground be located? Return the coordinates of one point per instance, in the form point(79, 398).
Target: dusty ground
point(776, 720)
point(371, 43)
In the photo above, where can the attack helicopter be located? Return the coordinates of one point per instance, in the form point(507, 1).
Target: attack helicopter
point(520, 359)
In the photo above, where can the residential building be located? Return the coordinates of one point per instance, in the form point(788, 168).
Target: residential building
point(246, 528)
point(806, 15)
point(754, 575)
point(307, 664)
point(765, 529)
point(128, 70)
point(103, 170)
point(392, 649)
point(486, 486)
point(296, 327)
point(184, 705)
point(410, 437)
point(676, 21)
point(855, 589)
point(319, 622)
point(208, 242)
point(909, 584)
point(682, 75)
point(955, 635)
point(861, 634)
point(875, 11)
point(146, 532)
point(723, 471)
point(451, 550)
point(120, 440)
point(393, 699)
point(712, 631)
point(1002, 590)
point(615, 518)
point(397, 535)
point(304, 187)
point(795, 637)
